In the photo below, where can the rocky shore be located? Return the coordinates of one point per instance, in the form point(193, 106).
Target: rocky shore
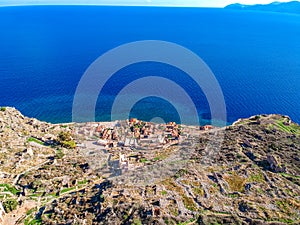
point(133, 172)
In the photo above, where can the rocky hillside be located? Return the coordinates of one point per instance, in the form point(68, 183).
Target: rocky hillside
point(253, 178)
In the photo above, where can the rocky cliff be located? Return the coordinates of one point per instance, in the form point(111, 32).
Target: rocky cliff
point(253, 178)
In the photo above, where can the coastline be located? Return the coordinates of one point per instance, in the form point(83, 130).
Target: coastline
point(258, 155)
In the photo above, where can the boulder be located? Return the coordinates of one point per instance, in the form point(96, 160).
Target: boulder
point(275, 164)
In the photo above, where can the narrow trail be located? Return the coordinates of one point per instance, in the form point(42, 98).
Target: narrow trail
point(16, 180)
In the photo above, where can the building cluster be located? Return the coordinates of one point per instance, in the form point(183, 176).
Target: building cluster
point(206, 127)
point(140, 129)
point(87, 130)
point(172, 133)
point(129, 162)
point(145, 131)
point(124, 141)
point(131, 133)
point(109, 137)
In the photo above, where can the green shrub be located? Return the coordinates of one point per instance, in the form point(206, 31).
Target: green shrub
point(64, 136)
point(10, 189)
point(59, 154)
point(256, 177)
point(199, 191)
point(144, 160)
point(164, 192)
point(68, 144)
point(2, 109)
point(65, 140)
point(10, 205)
point(32, 139)
point(137, 222)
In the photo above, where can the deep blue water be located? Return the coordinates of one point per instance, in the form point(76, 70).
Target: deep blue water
point(44, 51)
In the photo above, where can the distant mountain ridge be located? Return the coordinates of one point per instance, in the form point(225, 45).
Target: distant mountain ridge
point(284, 7)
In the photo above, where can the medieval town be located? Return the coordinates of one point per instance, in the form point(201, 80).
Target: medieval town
point(120, 146)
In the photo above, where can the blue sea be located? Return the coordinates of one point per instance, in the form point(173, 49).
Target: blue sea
point(45, 50)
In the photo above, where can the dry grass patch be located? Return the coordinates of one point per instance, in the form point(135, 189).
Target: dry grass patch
point(187, 201)
point(236, 182)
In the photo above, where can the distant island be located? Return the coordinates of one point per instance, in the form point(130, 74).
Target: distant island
point(284, 7)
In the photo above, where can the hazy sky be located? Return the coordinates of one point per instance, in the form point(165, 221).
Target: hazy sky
point(197, 3)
